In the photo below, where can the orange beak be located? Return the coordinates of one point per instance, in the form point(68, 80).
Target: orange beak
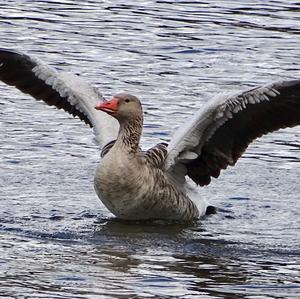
point(109, 107)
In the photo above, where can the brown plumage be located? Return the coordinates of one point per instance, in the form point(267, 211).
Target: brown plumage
point(131, 183)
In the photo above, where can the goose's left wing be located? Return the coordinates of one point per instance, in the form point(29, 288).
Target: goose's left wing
point(219, 133)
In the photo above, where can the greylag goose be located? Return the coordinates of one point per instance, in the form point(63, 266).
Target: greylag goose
point(155, 184)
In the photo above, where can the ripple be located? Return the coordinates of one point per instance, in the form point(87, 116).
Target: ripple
point(57, 239)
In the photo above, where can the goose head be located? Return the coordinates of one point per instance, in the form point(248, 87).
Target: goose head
point(122, 106)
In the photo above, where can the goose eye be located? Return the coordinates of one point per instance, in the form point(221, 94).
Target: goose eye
point(127, 101)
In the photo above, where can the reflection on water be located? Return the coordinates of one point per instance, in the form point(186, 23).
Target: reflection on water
point(58, 241)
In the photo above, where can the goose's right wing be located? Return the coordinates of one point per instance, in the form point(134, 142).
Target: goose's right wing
point(63, 90)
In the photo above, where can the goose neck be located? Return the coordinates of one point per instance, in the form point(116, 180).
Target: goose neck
point(130, 133)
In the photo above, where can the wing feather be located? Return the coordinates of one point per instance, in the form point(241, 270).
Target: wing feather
point(221, 131)
point(62, 90)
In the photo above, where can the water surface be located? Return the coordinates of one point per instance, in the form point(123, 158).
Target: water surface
point(59, 241)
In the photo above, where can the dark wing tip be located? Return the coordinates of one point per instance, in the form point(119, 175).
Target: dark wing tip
point(4, 51)
point(16, 69)
point(14, 66)
point(288, 83)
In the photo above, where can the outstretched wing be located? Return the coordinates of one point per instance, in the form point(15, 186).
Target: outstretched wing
point(222, 130)
point(63, 90)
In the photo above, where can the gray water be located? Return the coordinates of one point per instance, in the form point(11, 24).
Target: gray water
point(59, 241)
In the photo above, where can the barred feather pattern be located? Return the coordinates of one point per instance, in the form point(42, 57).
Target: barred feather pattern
point(107, 148)
point(157, 154)
point(131, 132)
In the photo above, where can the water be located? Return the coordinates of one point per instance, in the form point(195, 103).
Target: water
point(57, 239)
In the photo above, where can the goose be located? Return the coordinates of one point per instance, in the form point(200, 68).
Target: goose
point(157, 183)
